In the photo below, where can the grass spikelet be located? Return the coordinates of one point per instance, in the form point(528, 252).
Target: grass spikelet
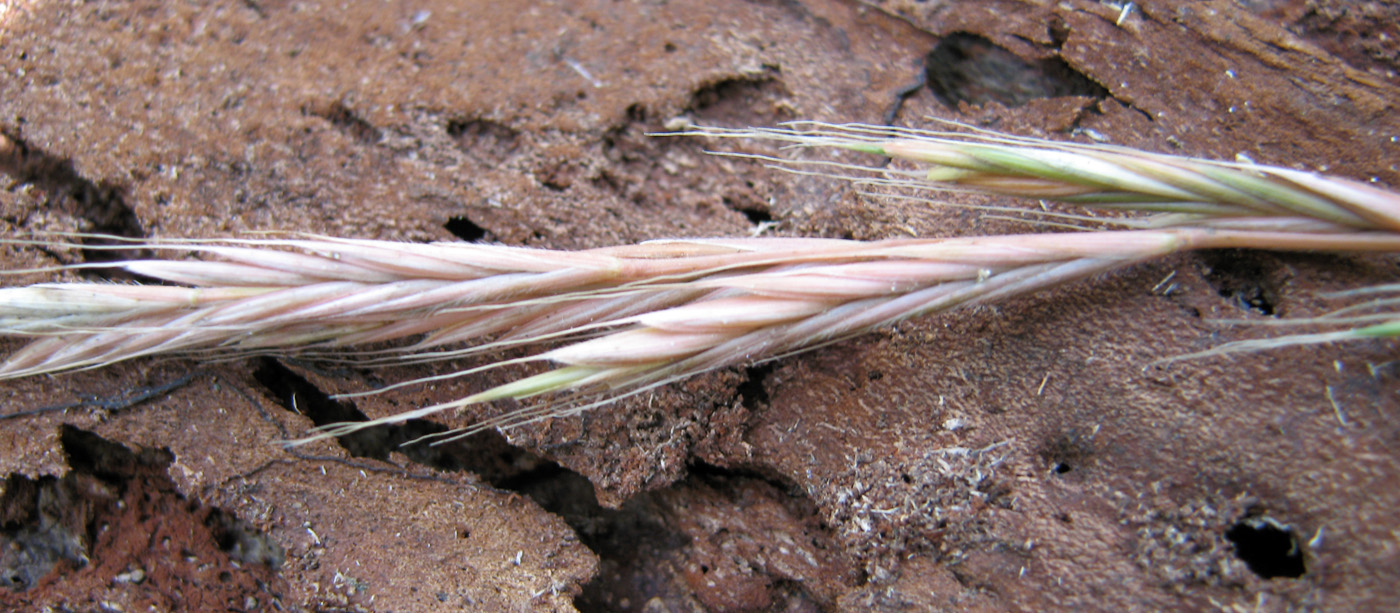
point(640, 316)
point(1194, 190)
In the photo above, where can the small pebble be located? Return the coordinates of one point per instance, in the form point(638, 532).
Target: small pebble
point(132, 576)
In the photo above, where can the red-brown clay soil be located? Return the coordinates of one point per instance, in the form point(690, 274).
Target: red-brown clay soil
point(1027, 456)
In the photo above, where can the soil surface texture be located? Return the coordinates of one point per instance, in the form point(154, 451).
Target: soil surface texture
point(1030, 456)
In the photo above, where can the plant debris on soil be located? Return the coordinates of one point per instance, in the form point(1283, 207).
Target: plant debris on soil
point(1027, 456)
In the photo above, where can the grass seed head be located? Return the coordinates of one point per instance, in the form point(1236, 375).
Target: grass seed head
point(965, 158)
point(638, 316)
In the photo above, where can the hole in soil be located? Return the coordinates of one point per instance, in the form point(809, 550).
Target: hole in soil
point(117, 510)
point(243, 542)
point(485, 139)
point(557, 175)
point(1267, 548)
point(91, 454)
point(462, 227)
point(1243, 277)
point(345, 120)
point(968, 68)
point(752, 98)
point(752, 392)
point(298, 395)
point(295, 393)
point(645, 543)
point(44, 527)
point(614, 535)
point(102, 204)
point(1066, 450)
point(625, 540)
point(757, 217)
